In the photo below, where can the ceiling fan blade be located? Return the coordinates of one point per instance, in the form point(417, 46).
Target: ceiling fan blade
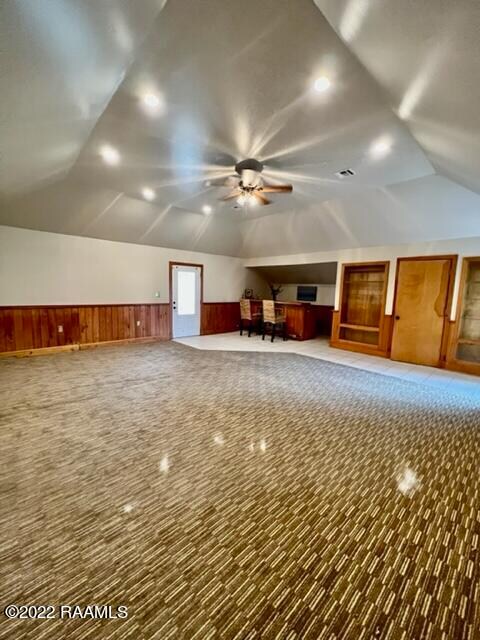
point(231, 181)
point(277, 188)
point(261, 198)
point(233, 194)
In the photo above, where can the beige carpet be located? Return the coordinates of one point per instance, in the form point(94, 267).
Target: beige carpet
point(236, 495)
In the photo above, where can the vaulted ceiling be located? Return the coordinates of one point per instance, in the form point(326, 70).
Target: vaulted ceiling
point(234, 80)
point(426, 55)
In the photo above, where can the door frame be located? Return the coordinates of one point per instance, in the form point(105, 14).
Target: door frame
point(453, 259)
point(171, 264)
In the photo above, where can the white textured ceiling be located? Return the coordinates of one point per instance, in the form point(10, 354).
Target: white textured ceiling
point(232, 87)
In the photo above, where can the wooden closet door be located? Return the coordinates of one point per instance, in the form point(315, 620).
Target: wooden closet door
point(420, 309)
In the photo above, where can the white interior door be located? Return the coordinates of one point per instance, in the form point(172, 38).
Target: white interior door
point(185, 300)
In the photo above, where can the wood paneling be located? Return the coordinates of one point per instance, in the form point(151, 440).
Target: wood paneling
point(301, 321)
point(324, 319)
point(219, 317)
point(222, 317)
point(26, 328)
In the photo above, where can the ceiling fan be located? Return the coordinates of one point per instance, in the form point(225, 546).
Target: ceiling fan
point(249, 187)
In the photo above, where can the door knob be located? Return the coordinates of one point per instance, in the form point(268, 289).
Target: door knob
point(397, 317)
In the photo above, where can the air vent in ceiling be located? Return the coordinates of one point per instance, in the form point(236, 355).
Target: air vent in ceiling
point(345, 173)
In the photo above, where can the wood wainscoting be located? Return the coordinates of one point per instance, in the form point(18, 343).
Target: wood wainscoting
point(63, 328)
point(324, 319)
point(384, 338)
point(34, 330)
point(219, 317)
point(222, 317)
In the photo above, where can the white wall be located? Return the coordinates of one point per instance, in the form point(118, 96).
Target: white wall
point(47, 268)
point(325, 293)
point(463, 247)
point(37, 267)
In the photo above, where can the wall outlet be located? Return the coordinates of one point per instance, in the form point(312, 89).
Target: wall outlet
point(138, 323)
point(157, 294)
point(60, 328)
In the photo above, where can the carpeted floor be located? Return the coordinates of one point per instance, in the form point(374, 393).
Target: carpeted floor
point(236, 495)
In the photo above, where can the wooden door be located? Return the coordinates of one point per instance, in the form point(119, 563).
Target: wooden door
point(420, 310)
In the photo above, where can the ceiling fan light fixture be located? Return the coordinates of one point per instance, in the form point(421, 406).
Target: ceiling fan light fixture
point(247, 199)
point(250, 188)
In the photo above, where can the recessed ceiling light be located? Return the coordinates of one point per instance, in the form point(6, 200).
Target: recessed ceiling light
point(109, 154)
point(151, 101)
point(322, 84)
point(380, 148)
point(148, 194)
point(207, 209)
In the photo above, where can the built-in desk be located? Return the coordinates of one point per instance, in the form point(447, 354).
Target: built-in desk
point(300, 317)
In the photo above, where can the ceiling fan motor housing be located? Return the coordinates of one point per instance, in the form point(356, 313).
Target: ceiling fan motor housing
point(249, 164)
point(251, 187)
point(250, 171)
point(250, 179)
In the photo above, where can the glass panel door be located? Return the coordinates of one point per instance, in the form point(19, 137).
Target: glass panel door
point(186, 294)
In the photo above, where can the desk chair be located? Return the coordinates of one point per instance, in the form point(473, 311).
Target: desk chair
point(248, 319)
point(274, 318)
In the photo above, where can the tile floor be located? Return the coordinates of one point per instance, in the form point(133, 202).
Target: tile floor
point(320, 348)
